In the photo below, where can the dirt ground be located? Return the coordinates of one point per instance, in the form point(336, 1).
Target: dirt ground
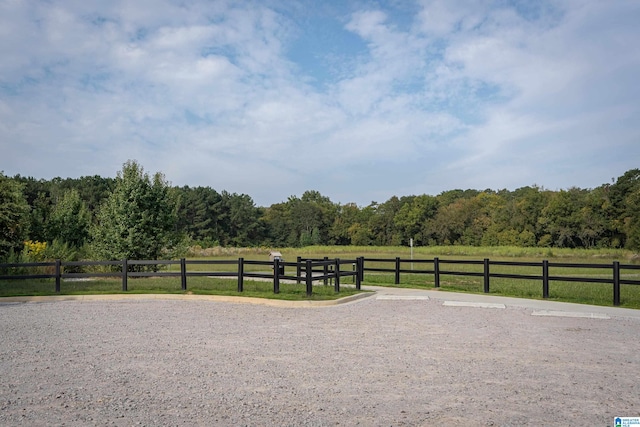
point(372, 362)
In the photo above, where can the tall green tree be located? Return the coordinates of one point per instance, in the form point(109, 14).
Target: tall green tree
point(38, 196)
point(70, 220)
point(14, 216)
point(381, 225)
point(199, 214)
point(279, 226)
point(347, 216)
point(137, 219)
point(413, 217)
point(313, 215)
point(303, 221)
point(562, 217)
point(623, 210)
point(632, 220)
point(461, 222)
point(242, 220)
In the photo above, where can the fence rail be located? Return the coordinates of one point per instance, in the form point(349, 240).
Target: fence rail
point(326, 269)
point(124, 269)
point(612, 269)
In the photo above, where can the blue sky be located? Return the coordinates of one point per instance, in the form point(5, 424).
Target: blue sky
point(360, 100)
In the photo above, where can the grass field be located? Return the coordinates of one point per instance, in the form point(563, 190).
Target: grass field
point(585, 293)
point(196, 285)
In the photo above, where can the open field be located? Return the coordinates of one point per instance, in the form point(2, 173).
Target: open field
point(475, 252)
point(586, 293)
point(197, 285)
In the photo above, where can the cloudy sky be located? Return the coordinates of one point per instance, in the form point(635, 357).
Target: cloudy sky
point(360, 100)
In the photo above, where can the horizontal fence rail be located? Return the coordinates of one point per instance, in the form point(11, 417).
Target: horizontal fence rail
point(613, 270)
point(307, 271)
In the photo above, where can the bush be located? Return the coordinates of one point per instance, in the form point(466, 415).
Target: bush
point(34, 251)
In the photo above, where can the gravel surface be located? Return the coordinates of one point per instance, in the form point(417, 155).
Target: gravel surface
point(369, 363)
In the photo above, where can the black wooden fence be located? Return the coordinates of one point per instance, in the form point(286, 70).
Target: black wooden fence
point(439, 269)
point(326, 269)
point(307, 271)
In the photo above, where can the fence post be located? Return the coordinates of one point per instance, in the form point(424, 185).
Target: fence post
point(397, 279)
point(486, 275)
point(358, 272)
point(337, 272)
point(616, 283)
point(436, 272)
point(183, 273)
point(125, 269)
point(361, 268)
point(276, 276)
point(325, 270)
point(309, 278)
point(58, 272)
point(240, 274)
point(545, 278)
point(298, 269)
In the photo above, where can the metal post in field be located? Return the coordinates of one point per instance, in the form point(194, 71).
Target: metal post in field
point(353, 268)
point(411, 244)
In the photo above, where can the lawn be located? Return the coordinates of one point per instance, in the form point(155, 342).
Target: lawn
point(162, 285)
point(585, 293)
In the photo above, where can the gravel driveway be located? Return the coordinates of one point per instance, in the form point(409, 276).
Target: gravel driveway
point(370, 363)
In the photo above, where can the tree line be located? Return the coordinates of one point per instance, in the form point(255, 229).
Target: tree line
point(139, 216)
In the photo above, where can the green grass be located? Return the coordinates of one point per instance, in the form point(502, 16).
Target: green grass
point(585, 293)
point(196, 285)
point(473, 252)
point(581, 293)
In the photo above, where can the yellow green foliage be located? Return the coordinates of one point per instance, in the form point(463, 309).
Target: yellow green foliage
point(34, 250)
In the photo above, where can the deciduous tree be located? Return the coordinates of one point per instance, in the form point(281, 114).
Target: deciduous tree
point(137, 219)
point(70, 220)
point(14, 219)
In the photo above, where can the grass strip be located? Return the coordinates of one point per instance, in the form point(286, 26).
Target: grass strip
point(197, 286)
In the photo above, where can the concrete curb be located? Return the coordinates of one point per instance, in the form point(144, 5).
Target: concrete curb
point(594, 311)
point(379, 292)
point(189, 297)
point(473, 304)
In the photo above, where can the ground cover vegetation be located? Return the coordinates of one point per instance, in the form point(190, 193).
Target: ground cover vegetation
point(585, 293)
point(164, 285)
point(139, 216)
point(569, 291)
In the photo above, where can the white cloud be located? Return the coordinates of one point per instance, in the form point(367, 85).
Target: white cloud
point(467, 94)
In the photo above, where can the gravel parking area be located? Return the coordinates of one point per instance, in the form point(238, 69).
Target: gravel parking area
point(370, 363)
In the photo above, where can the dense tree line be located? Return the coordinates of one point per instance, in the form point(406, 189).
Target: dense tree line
point(148, 216)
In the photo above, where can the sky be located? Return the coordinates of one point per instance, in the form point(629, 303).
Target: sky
point(359, 100)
